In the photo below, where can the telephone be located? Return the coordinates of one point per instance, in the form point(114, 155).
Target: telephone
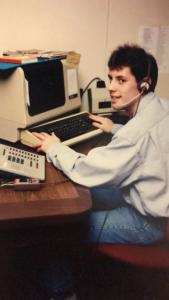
point(20, 162)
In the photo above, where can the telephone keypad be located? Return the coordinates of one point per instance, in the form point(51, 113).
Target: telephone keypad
point(29, 164)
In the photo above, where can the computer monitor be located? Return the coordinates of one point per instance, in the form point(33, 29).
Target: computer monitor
point(36, 92)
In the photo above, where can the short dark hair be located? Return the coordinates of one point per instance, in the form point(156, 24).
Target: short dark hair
point(141, 63)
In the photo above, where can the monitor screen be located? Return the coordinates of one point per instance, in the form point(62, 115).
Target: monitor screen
point(45, 86)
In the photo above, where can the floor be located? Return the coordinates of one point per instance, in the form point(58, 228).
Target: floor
point(21, 277)
point(108, 280)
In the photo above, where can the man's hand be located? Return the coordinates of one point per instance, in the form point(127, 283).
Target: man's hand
point(103, 123)
point(45, 141)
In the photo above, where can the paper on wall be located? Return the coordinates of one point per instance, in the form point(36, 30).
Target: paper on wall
point(155, 39)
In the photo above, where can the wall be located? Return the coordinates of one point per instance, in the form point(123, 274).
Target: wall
point(90, 27)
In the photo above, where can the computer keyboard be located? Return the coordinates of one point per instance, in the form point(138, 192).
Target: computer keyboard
point(71, 129)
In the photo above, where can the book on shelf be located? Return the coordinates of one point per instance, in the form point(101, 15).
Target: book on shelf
point(52, 54)
point(18, 59)
point(32, 55)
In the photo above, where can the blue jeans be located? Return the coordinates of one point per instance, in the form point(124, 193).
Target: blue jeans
point(121, 223)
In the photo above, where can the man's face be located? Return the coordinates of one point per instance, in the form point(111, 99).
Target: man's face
point(122, 88)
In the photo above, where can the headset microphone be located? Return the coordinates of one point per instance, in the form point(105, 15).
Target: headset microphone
point(144, 86)
point(129, 102)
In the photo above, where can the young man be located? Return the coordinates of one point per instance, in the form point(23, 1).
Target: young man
point(136, 161)
point(131, 173)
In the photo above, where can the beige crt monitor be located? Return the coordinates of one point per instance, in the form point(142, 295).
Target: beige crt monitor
point(34, 93)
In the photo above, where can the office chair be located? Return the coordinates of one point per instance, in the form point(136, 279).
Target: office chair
point(151, 256)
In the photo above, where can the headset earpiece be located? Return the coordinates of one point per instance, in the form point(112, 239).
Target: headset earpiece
point(144, 86)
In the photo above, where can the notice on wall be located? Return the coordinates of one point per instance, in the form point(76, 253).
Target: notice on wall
point(72, 83)
point(155, 39)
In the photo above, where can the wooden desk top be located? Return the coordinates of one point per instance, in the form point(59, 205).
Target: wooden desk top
point(58, 200)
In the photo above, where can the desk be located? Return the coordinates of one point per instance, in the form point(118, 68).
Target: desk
point(26, 252)
point(58, 200)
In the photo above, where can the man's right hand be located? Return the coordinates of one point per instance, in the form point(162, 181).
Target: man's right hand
point(45, 141)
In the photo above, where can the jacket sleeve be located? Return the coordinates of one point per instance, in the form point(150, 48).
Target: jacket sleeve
point(108, 165)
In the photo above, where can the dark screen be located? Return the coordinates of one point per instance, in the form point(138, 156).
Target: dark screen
point(46, 86)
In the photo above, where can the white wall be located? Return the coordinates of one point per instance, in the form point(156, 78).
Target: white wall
point(90, 27)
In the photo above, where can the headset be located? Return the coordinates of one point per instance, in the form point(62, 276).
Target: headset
point(143, 86)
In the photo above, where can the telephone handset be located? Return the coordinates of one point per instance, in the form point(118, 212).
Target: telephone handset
point(20, 162)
